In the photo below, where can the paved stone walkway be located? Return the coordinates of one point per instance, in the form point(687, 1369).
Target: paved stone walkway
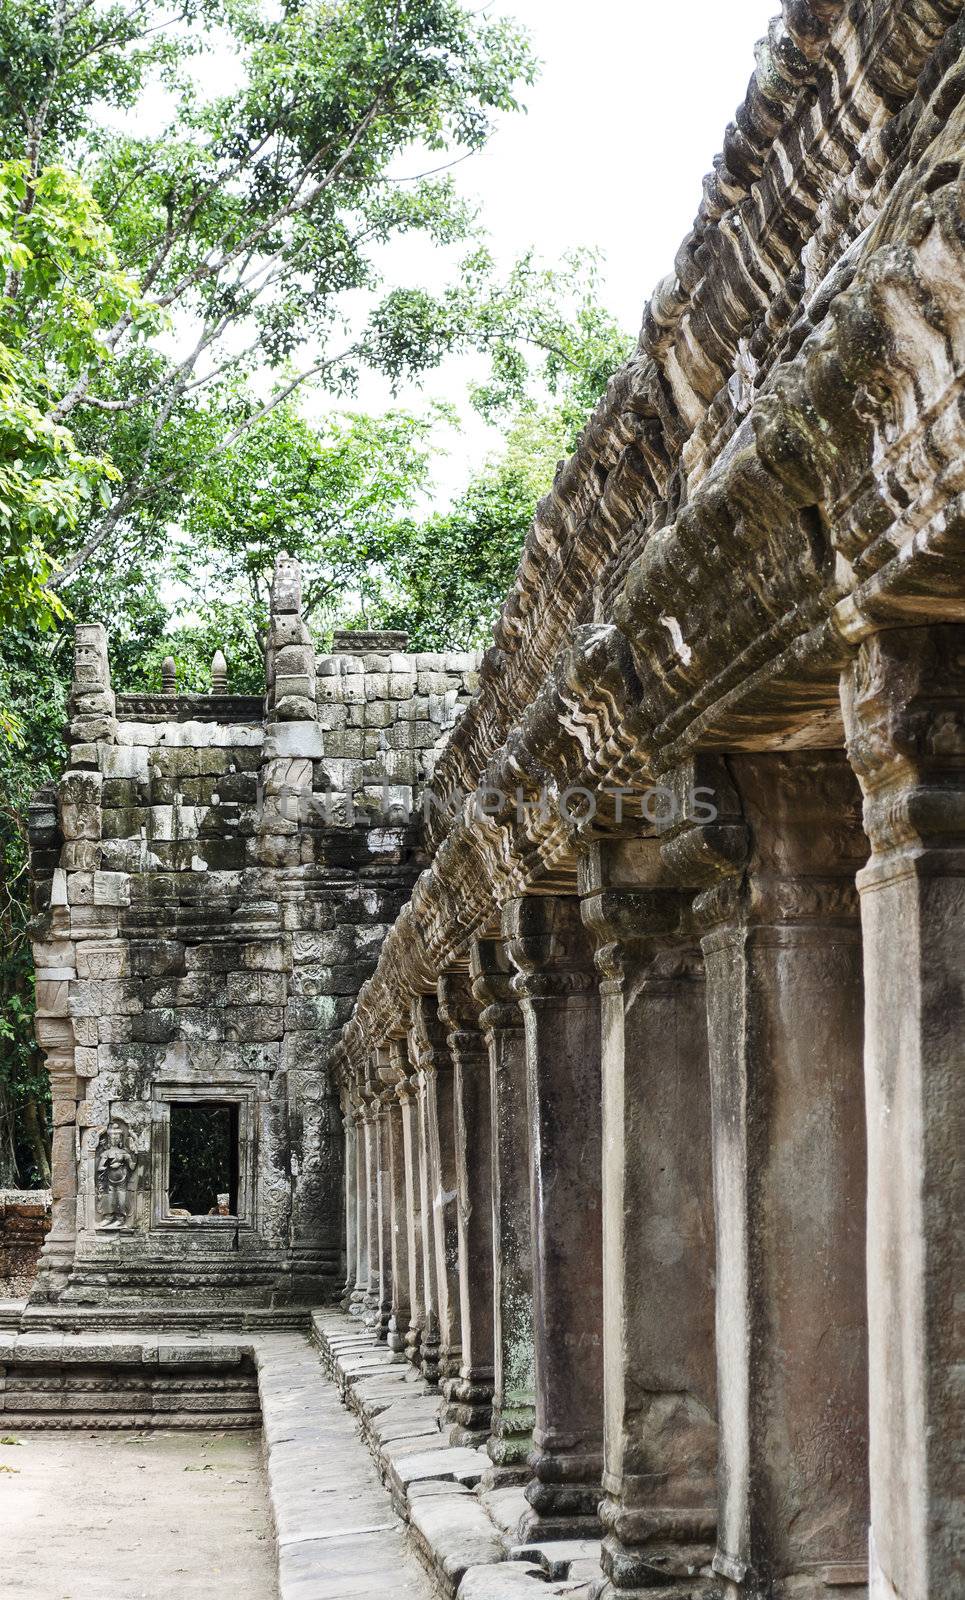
point(464, 1530)
point(132, 1516)
point(338, 1536)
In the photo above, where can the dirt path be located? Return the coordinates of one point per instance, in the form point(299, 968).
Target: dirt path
point(161, 1516)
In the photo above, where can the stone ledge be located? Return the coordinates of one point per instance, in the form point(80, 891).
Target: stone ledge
point(465, 1533)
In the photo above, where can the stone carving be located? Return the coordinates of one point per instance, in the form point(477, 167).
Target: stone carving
point(115, 1176)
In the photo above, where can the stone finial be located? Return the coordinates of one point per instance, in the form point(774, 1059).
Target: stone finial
point(286, 585)
point(219, 673)
point(92, 674)
point(291, 658)
point(169, 676)
point(92, 703)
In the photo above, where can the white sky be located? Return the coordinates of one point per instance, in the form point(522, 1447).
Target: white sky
point(622, 124)
point(625, 119)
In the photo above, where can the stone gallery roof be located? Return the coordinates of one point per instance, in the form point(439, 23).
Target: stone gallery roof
point(763, 482)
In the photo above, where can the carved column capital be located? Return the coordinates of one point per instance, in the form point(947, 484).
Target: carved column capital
point(784, 848)
point(427, 1037)
point(905, 728)
point(549, 947)
point(459, 1011)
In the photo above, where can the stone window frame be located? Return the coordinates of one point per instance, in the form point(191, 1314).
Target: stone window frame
point(242, 1095)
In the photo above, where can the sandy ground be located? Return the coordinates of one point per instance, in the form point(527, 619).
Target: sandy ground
point(159, 1516)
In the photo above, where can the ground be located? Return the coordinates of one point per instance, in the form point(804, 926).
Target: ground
point(114, 1516)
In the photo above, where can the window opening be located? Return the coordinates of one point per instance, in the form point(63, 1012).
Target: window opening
point(203, 1162)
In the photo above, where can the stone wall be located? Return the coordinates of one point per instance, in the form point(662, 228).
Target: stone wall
point(24, 1221)
point(213, 879)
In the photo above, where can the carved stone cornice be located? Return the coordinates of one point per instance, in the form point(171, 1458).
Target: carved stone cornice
point(778, 215)
point(828, 513)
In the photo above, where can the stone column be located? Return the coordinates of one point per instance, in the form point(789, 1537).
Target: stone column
point(357, 1297)
point(659, 1511)
point(421, 1054)
point(373, 1287)
point(349, 1124)
point(514, 1380)
point(437, 1069)
point(407, 1094)
point(904, 703)
point(782, 949)
point(400, 1194)
point(63, 845)
point(561, 1009)
point(471, 1398)
point(383, 1135)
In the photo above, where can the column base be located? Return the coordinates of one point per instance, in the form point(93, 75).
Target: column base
point(673, 1568)
point(357, 1303)
point(398, 1332)
point(471, 1407)
point(510, 1444)
point(53, 1270)
point(699, 1587)
point(564, 1497)
point(429, 1359)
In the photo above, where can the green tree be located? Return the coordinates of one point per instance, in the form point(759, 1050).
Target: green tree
point(255, 217)
point(62, 288)
point(337, 495)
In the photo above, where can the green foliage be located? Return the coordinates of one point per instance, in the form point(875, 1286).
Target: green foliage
point(32, 683)
point(333, 495)
point(446, 578)
point(253, 216)
point(62, 286)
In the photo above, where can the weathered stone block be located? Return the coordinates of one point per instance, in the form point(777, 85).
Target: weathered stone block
point(79, 800)
point(112, 889)
point(268, 955)
point(81, 855)
point(296, 738)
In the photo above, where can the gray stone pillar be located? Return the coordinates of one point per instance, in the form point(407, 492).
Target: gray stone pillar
point(421, 1054)
point(904, 704)
point(407, 1094)
point(659, 1480)
point(357, 1297)
point(437, 1067)
point(349, 1124)
point(471, 1398)
point(373, 1286)
point(400, 1193)
point(782, 949)
point(561, 1009)
point(514, 1379)
point(386, 1100)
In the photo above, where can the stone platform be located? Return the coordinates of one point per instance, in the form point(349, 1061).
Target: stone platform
point(464, 1530)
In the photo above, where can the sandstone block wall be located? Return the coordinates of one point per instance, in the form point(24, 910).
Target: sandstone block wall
point(213, 878)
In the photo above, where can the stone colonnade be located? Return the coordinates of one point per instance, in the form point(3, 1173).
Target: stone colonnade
point(607, 1187)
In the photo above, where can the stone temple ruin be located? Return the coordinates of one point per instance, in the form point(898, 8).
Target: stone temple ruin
point(600, 1120)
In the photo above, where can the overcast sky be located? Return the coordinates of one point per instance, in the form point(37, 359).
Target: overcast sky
point(627, 115)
